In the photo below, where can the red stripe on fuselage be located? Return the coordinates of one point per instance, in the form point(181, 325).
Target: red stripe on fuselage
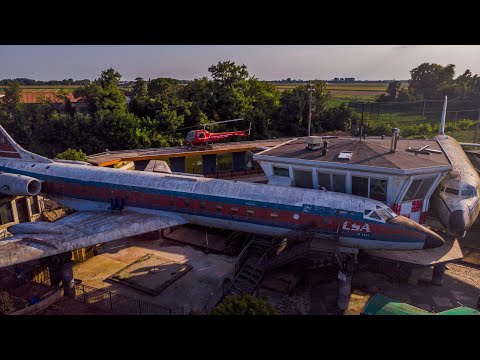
point(214, 208)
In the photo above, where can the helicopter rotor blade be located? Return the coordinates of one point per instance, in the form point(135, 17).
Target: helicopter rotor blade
point(201, 125)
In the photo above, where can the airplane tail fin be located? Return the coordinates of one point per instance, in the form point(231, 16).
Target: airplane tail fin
point(444, 114)
point(10, 149)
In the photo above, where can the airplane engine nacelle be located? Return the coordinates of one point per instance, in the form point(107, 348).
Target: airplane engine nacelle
point(12, 184)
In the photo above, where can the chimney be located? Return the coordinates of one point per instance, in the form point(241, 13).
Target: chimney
point(395, 133)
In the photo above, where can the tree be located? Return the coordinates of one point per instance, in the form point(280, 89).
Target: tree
point(244, 305)
point(72, 154)
point(292, 118)
point(13, 96)
point(138, 100)
point(265, 100)
point(428, 79)
point(103, 93)
point(161, 87)
point(227, 73)
point(393, 89)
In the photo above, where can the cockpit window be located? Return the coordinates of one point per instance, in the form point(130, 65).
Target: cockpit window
point(380, 214)
point(191, 136)
point(469, 192)
point(451, 191)
point(201, 135)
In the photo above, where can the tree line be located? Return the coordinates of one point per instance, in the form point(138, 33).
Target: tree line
point(433, 82)
point(27, 82)
point(159, 109)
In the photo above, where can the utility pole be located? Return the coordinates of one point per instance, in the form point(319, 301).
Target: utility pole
point(310, 88)
point(476, 129)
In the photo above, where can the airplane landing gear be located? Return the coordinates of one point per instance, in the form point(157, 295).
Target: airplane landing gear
point(61, 272)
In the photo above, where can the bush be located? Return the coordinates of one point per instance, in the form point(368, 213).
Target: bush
point(72, 154)
point(6, 304)
point(244, 305)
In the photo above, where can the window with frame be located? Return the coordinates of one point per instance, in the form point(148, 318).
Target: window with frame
point(378, 189)
point(324, 180)
point(360, 186)
point(339, 183)
point(418, 189)
point(279, 171)
point(6, 214)
point(370, 187)
point(22, 210)
point(303, 179)
point(34, 205)
point(332, 182)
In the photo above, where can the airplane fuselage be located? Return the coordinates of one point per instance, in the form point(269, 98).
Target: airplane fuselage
point(265, 209)
point(456, 201)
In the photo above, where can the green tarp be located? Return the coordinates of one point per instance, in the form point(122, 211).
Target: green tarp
point(383, 305)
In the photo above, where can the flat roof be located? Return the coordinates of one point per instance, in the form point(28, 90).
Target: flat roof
point(113, 157)
point(371, 151)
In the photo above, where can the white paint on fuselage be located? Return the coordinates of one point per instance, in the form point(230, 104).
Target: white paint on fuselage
point(304, 199)
point(463, 173)
point(199, 186)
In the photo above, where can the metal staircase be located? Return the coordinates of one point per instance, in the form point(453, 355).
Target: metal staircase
point(266, 253)
point(262, 254)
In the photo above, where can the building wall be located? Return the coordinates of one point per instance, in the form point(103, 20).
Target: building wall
point(22, 209)
point(398, 186)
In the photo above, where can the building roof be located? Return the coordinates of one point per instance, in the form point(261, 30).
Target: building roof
point(372, 151)
point(113, 157)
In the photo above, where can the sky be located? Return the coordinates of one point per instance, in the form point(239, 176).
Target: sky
point(266, 62)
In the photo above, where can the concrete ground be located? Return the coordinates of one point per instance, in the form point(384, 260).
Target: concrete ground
point(191, 291)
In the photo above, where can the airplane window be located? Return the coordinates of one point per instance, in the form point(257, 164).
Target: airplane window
point(201, 135)
point(375, 216)
point(451, 191)
point(386, 213)
point(372, 214)
point(469, 192)
point(190, 136)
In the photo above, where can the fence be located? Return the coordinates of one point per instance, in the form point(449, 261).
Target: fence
point(417, 118)
point(120, 304)
point(109, 301)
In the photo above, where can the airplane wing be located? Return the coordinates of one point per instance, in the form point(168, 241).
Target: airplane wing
point(34, 240)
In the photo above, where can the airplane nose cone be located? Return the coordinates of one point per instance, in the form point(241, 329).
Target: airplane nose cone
point(457, 221)
point(433, 240)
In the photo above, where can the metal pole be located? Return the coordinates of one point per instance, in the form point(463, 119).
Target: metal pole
point(476, 128)
point(309, 107)
point(206, 238)
point(361, 123)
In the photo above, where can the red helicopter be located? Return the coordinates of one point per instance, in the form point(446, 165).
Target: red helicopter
point(204, 137)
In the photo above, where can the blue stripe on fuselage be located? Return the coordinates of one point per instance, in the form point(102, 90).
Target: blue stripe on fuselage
point(308, 209)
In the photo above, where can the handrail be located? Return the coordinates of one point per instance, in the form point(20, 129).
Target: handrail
point(216, 294)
